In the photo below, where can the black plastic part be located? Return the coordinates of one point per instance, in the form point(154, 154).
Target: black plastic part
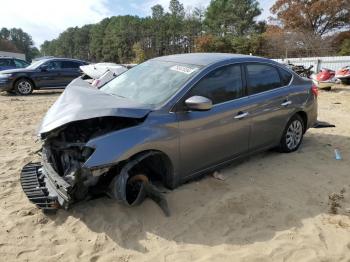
point(322, 124)
point(119, 188)
point(33, 185)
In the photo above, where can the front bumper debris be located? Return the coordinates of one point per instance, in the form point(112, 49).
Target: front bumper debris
point(34, 186)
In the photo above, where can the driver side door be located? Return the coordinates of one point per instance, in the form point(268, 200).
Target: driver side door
point(50, 75)
point(208, 138)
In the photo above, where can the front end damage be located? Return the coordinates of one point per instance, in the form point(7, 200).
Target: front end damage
point(67, 174)
point(61, 178)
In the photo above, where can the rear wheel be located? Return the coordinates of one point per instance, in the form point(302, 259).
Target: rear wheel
point(23, 87)
point(292, 135)
point(345, 81)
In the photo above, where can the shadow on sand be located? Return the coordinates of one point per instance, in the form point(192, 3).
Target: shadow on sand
point(46, 92)
point(267, 193)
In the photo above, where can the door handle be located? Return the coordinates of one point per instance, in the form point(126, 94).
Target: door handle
point(286, 103)
point(241, 115)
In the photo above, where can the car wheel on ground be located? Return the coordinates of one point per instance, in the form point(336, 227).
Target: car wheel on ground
point(345, 81)
point(23, 87)
point(292, 135)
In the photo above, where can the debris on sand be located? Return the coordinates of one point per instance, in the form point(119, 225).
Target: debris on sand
point(337, 154)
point(334, 201)
point(217, 175)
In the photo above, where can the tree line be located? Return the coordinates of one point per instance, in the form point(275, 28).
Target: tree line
point(296, 28)
point(18, 41)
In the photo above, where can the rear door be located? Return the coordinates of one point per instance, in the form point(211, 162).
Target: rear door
point(268, 89)
point(211, 137)
point(70, 71)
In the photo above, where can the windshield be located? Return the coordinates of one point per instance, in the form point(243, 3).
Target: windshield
point(152, 82)
point(36, 64)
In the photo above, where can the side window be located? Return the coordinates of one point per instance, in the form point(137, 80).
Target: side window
point(7, 62)
point(4, 62)
point(220, 85)
point(53, 65)
point(20, 63)
point(70, 65)
point(285, 77)
point(262, 78)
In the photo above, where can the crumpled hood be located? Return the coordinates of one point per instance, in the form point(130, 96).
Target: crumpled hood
point(79, 101)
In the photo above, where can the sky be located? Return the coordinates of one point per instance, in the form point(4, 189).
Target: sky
point(46, 19)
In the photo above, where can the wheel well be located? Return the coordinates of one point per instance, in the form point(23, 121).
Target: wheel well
point(24, 77)
point(303, 116)
point(153, 163)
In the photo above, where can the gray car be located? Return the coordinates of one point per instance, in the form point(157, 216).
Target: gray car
point(164, 122)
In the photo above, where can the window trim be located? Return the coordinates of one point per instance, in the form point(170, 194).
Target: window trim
point(244, 86)
point(174, 108)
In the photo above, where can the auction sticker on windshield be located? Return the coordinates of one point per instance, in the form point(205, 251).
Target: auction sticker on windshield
point(183, 69)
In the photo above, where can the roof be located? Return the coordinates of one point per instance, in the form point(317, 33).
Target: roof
point(59, 58)
point(205, 59)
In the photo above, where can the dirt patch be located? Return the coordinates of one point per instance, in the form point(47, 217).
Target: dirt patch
point(271, 207)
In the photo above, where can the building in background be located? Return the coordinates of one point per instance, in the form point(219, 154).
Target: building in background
point(12, 54)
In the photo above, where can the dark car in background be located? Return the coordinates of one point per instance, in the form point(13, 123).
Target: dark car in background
point(42, 74)
point(12, 63)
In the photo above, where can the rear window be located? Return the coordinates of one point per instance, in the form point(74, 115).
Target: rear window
point(70, 64)
point(262, 78)
point(285, 77)
point(20, 63)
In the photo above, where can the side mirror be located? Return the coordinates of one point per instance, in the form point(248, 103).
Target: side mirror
point(199, 103)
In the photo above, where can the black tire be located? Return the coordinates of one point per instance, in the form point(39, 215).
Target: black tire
point(328, 88)
point(292, 135)
point(23, 87)
point(345, 81)
point(128, 190)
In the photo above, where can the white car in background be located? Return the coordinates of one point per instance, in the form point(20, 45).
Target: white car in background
point(101, 73)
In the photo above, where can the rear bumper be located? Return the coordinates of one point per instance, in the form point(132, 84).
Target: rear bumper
point(44, 187)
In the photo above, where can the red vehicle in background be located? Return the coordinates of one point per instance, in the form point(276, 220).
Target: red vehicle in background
point(343, 75)
point(324, 79)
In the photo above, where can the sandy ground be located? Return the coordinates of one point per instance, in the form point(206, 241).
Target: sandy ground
point(271, 207)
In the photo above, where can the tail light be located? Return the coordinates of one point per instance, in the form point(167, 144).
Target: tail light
point(314, 90)
point(96, 83)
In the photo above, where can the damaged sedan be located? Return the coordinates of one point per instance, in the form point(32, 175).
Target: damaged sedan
point(165, 122)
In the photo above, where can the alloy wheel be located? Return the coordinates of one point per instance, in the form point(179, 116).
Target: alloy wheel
point(24, 87)
point(294, 134)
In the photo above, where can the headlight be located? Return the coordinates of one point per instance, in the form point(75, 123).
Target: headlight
point(5, 75)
